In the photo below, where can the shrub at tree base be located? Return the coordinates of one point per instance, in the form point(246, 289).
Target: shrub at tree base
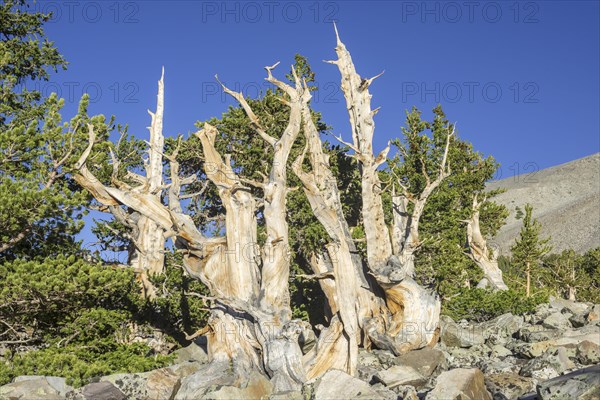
point(79, 364)
point(481, 305)
point(72, 318)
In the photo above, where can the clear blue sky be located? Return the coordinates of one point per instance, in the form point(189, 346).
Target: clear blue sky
point(520, 78)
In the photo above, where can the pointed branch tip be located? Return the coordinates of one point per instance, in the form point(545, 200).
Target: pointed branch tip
point(272, 66)
point(220, 83)
point(337, 35)
point(377, 76)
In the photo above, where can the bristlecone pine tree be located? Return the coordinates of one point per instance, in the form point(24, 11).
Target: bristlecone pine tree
point(376, 302)
point(529, 248)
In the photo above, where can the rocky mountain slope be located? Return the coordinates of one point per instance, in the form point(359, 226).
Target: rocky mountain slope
point(566, 200)
point(549, 354)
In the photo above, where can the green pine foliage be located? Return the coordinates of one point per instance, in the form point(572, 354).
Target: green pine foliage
point(528, 250)
point(26, 55)
point(59, 315)
point(566, 275)
point(41, 208)
point(529, 247)
point(590, 265)
point(73, 317)
point(519, 213)
point(38, 206)
point(36, 294)
point(175, 311)
point(80, 364)
point(441, 261)
point(481, 305)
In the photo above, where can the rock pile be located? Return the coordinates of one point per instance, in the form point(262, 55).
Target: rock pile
point(552, 353)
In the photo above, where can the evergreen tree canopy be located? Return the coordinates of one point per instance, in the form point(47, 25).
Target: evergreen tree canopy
point(529, 247)
point(40, 209)
point(442, 261)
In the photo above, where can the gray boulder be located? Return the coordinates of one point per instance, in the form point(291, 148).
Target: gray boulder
point(186, 368)
point(578, 320)
point(508, 385)
point(551, 364)
point(426, 361)
point(162, 384)
point(465, 358)
point(495, 366)
point(536, 349)
point(557, 320)
point(336, 384)
point(368, 359)
point(400, 375)
point(541, 312)
point(594, 314)
point(35, 387)
point(217, 381)
point(384, 392)
point(590, 328)
point(504, 325)
point(193, 352)
point(255, 386)
point(57, 382)
point(407, 393)
point(386, 358)
point(368, 365)
point(460, 384)
point(569, 306)
point(588, 353)
point(103, 390)
point(366, 374)
point(583, 384)
point(132, 385)
point(500, 351)
point(196, 385)
point(291, 395)
point(536, 333)
point(454, 335)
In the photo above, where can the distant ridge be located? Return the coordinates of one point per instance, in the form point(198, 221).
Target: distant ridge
point(565, 199)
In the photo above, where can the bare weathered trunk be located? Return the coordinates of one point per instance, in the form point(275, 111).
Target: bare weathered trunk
point(218, 262)
point(278, 333)
point(250, 323)
point(146, 254)
point(478, 251)
point(321, 190)
point(358, 102)
point(572, 288)
point(411, 318)
point(237, 280)
point(151, 239)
